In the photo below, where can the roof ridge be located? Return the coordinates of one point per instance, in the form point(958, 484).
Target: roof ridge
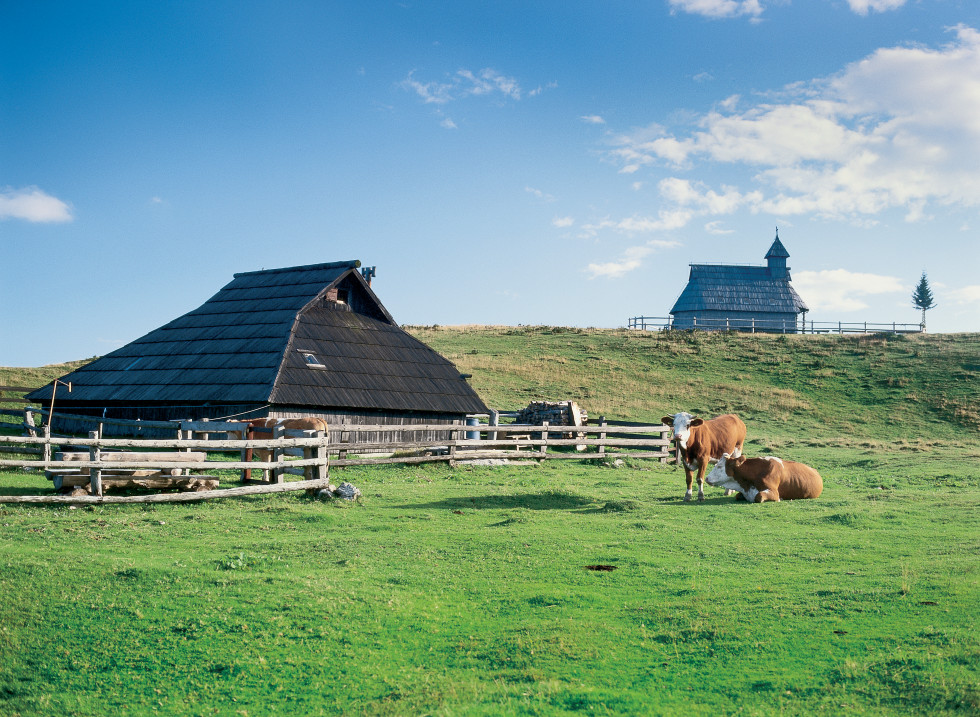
point(352, 264)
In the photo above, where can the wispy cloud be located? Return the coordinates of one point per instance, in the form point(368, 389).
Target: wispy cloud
point(753, 9)
point(718, 9)
point(841, 290)
point(630, 260)
point(593, 119)
point(562, 222)
point(899, 129)
point(861, 7)
point(31, 204)
point(464, 83)
point(967, 296)
point(637, 224)
point(543, 196)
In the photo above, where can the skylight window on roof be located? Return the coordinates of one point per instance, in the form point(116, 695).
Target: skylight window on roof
point(311, 360)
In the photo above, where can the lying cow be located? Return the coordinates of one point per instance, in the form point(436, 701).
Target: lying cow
point(701, 442)
point(769, 478)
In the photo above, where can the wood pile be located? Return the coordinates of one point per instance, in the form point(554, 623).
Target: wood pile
point(560, 413)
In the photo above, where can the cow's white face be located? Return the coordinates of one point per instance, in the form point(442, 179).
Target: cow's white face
point(682, 428)
point(719, 476)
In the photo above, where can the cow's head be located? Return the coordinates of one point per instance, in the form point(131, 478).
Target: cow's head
point(682, 423)
point(723, 473)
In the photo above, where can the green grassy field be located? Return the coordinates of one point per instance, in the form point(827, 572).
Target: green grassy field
point(468, 589)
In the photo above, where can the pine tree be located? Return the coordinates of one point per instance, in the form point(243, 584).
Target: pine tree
point(922, 298)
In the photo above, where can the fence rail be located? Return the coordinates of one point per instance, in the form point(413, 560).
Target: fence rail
point(751, 325)
point(21, 390)
point(312, 454)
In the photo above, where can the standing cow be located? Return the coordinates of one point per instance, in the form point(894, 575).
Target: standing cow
point(263, 428)
point(769, 478)
point(701, 442)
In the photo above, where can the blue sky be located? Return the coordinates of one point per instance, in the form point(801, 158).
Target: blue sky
point(499, 162)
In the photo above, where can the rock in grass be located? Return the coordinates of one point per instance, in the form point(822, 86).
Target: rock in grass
point(347, 491)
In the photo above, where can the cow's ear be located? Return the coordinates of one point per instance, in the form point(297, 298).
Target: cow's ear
point(739, 460)
point(667, 420)
point(697, 421)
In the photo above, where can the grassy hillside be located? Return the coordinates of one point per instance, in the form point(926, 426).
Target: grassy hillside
point(467, 590)
point(873, 386)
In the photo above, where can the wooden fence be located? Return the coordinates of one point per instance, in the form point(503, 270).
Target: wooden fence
point(769, 326)
point(313, 454)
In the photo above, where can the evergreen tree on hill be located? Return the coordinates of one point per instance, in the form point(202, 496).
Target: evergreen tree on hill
point(922, 298)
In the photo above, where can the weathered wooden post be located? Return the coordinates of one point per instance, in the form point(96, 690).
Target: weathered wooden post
point(278, 455)
point(602, 435)
point(322, 456)
point(29, 428)
point(47, 445)
point(95, 473)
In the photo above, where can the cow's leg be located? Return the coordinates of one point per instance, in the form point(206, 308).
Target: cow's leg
point(690, 479)
point(769, 490)
point(702, 468)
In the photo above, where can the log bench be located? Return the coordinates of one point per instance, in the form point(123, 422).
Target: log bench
point(132, 477)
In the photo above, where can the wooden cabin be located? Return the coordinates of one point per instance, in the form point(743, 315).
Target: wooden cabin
point(728, 297)
point(300, 341)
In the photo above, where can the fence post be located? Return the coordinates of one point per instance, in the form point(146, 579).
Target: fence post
point(278, 455)
point(322, 455)
point(95, 474)
point(544, 437)
point(753, 324)
point(29, 428)
point(602, 435)
point(47, 444)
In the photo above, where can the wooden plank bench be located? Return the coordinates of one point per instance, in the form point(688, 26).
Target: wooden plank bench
point(125, 477)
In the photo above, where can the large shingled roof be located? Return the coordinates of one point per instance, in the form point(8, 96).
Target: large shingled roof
point(721, 287)
point(249, 344)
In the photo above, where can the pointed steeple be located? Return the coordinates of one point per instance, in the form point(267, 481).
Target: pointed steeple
point(776, 259)
point(777, 249)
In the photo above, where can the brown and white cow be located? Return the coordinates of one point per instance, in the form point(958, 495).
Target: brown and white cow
point(262, 428)
point(769, 478)
point(701, 442)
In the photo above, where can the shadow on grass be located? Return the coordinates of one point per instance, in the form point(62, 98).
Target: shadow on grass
point(12, 491)
point(530, 501)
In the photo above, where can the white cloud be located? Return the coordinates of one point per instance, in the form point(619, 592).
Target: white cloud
point(861, 7)
point(447, 123)
point(717, 228)
point(593, 119)
point(33, 205)
point(967, 296)
point(899, 129)
point(562, 222)
point(840, 290)
point(718, 8)
point(543, 196)
point(664, 221)
point(631, 259)
point(464, 83)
